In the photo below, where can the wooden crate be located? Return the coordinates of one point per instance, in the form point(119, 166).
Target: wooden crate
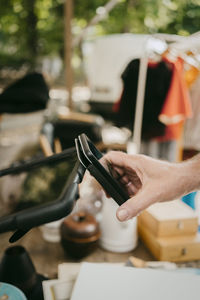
point(172, 218)
point(175, 249)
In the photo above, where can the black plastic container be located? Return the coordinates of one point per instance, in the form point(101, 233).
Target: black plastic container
point(17, 269)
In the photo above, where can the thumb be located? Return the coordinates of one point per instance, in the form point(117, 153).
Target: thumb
point(132, 207)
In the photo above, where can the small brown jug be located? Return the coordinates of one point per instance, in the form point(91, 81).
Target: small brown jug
point(79, 234)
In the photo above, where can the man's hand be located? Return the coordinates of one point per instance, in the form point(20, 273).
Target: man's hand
point(148, 180)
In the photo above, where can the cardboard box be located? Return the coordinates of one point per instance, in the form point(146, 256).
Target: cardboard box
point(175, 248)
point(174, 218)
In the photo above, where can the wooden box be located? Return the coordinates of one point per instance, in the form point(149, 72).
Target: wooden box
point(174, 249)
point(174, 218)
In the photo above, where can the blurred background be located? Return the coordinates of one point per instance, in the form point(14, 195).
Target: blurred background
point(126, 73)
point(33, 33)
point(110, 69)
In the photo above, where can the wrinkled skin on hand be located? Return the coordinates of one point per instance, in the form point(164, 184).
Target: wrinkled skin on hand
point(148, 180)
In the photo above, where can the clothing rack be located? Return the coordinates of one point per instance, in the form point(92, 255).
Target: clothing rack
point(180, 45)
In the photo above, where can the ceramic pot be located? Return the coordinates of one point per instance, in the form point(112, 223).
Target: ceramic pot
point(116, 236)
point(79, 234)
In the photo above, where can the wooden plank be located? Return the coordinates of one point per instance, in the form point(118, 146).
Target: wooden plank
point(68, 50)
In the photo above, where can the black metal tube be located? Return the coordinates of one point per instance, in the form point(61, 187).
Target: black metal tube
point(29, 165)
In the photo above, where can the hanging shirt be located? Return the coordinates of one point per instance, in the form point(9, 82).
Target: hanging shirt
point(177, 105)
point(157, 85)
point(191, 75)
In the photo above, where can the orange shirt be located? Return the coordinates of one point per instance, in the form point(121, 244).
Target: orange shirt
point(177, 105)
point(191, 75)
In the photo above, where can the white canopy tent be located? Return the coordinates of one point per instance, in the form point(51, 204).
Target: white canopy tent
point(106, 57)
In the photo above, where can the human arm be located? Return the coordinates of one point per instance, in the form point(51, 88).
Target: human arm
point(148, 180)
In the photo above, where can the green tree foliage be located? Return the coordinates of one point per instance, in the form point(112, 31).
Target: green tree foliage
point(147, 16)
point(34, 28)
point(30, 29)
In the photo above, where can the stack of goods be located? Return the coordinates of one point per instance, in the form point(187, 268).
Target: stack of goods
point(170, 231)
